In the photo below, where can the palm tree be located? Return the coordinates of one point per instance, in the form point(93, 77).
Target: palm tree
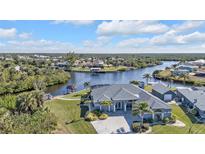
point(39, 85)
point(86, 85)
point(140, 108)
point(147, 76)
point(171, 79)
point(185, 77)
point(38, 95)
point(106, 103)
point(26, 103)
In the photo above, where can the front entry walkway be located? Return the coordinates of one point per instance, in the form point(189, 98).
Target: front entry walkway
point(112, 125)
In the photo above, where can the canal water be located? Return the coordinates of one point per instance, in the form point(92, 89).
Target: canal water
point(78, 78)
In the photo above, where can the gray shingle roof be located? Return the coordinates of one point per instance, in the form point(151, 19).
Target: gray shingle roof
point(127, 92)
point(193, 95)
point(160, 88)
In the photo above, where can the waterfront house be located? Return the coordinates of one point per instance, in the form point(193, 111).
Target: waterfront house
point(187, 67)
point(199, 62)
point(200, 73)
point(62, 65)
point(193, 99)
point(163, 92)
point(178, 72)
point(122, 96)
point(95, 69)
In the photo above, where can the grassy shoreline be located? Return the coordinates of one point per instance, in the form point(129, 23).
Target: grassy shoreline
point(108, 69)
point(165, 75)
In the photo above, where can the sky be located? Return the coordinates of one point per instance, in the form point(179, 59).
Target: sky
point(110, 36)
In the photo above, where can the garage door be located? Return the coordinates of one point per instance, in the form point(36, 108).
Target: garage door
point(167, 97)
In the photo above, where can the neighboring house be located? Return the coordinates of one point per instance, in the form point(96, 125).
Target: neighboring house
point(187, 67)
point(95, 69)
point(200, 73)
point(193, 99)
point(198, 88)
point(62, 65)
point(122, 96)
point(178, 72)
point(199, 62)
point(98, 63)
point(164, 93)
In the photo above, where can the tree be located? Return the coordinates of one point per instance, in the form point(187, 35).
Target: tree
point(147, 76)
point(135, 82)
point(140, 108)
point(39, 85)
point(86, 85)
point(185, 77)
point(171, 79)
point(71, 57)
point(26, 103)
point(71, 87)
point(38, 96)
point(106, 103)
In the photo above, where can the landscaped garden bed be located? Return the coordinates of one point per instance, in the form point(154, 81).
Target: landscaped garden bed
point(95, 115)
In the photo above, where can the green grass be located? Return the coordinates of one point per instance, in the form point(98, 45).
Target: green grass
point(114, 68)
point(188, 119)
point(105, 69)
point(70, 117)
point(165, 75)
point(148, 88)
point(77, 94)
point(80, 69)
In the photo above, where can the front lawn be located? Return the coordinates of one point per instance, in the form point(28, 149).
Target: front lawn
point(190, 122)
point(70, 116)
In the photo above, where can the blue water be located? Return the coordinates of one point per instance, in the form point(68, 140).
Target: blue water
point(78, 78)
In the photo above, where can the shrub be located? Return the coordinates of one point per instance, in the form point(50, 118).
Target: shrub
point(194, 112)
point(165, 120)
point(136, 127)
point(145, 127)
point(8, 101)
point(91, 116)
point(135, 82)
point(172, 119)
point(103, 116)
point(150, 120)
point(122, 69)
point(97, 112)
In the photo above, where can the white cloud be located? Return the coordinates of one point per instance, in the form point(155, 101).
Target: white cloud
point(99, 42)
point(74, 22)
point(195, 37)
point(7, 33)
point(128, 27)
point(172, 38)
point(188, 25)
point(36, 46)
point(164, 39)
point(134, 42)
point(25, 35)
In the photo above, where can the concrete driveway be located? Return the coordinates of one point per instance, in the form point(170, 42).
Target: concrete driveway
point(112, 125)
